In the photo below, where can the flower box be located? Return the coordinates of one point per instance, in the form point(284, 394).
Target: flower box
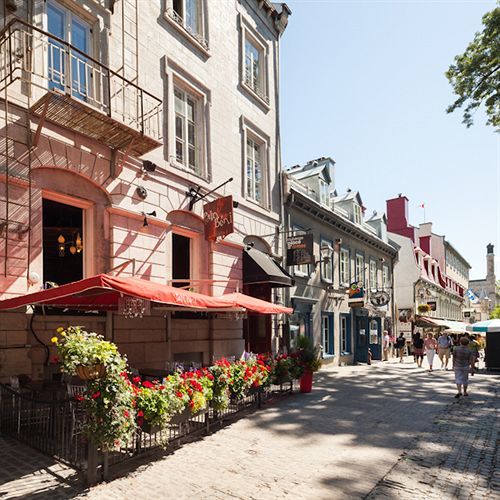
point(184, 416)
point(150, 428)
point(90, 372)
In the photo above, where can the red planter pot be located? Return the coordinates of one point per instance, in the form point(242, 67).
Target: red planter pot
point(306, 381)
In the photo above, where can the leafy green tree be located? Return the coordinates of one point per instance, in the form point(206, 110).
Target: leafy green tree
point(495, 314)
point(475, 76)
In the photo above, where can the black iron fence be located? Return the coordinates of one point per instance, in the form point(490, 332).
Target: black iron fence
point(55, 428)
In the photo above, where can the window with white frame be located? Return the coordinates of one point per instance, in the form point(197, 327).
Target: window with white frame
point(385, 277)
point(325, 335)
point(343, 334)
point(358, 217)
point(254, 62)
point(188, 130)
point(360, 269)
point(254, 171)
point(344, 266)
point(324, 192)
point(65, 65)
point(190, 15)
point(301, 269)
point(373, 275)
point(326, 261)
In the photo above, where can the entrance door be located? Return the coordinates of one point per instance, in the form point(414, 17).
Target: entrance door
point(376, 338)
point(362, 338)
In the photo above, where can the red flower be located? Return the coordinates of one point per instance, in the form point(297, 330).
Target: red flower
point(96, 395)
point(55, 359)
point(140, 413)
point(78, 397)
point(136, 380)
point(126, 414)
point(179, 394)
point(161, 387)
point(147, 384)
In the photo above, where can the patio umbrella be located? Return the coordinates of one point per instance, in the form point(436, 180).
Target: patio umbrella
point(489, 325)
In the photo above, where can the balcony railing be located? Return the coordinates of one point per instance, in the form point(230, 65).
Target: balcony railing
point(77, 91)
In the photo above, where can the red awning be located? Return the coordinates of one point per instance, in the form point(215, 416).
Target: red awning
point(253, 304)
point(102, 292)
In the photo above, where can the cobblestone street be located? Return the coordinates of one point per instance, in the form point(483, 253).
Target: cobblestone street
point(386, 431)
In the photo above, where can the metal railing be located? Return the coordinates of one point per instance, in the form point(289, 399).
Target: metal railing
point(172, 14)
point(48, 62)
point(55, 428)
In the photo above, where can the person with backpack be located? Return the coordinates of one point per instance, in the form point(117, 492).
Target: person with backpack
point(444, 347)
point(400, 346)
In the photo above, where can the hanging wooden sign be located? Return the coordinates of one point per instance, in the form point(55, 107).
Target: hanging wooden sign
point(218, 218)
point(299, 250)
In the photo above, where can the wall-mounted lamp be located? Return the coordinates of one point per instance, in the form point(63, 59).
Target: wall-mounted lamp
point(381, 259)
point(145, 223)
point(148, 166)
point(326, 254)
point(236, 204)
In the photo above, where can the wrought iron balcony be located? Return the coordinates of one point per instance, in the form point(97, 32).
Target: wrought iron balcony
point(74, 90)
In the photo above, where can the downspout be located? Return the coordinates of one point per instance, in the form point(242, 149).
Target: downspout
point(211, 287)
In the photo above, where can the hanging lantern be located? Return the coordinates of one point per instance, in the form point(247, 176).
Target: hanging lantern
point(72, 250)
point(61, 239)
point(61, 250)
point(78, 243)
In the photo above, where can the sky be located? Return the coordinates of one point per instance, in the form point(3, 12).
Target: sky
point(362, 81)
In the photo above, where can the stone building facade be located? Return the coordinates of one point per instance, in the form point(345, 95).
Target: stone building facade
point(117, 118)
point(430, 273)
point(348, 250)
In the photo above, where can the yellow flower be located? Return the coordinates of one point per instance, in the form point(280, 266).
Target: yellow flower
point(60, 329)
point(54, 340)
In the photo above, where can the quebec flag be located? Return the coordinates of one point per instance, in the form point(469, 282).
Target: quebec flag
point(472, 296)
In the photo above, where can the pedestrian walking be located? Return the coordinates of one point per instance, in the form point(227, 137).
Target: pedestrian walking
point(418, 349)
point(386, 345)
point(463, 362)
point(400, 346)
point(430, 346)
point(444, 347)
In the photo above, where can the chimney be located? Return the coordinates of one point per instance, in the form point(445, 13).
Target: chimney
point(397, 217)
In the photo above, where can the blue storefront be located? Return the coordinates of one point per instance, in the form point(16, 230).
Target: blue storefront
point(367, 335)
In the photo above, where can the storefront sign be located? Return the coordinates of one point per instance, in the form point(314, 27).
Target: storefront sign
point(299, 250)
point(218, 218)
point(356, 291)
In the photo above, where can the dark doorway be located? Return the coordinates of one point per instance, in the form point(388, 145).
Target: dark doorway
point(257, 327)
point(63, 244)
point(181, 260)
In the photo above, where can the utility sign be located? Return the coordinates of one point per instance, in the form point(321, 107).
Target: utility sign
point(218, 218)
point(299, 250)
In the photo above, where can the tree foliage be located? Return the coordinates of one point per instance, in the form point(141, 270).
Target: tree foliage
point(495, 314)
point(475, 76)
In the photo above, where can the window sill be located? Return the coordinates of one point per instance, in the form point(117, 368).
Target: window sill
point(328, 282)
point(180, 166)
point(202, 45)
point(301, 275)
point(262, 100)
point(262, 206)
point(328, 356)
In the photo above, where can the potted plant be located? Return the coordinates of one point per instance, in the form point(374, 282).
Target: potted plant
point(156, 404)
point(221, 372)
point(309, 358)
point(423, 308)
point(83, 353)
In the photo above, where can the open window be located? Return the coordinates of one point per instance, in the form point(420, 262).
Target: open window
point(63, 243)
point(181, 260)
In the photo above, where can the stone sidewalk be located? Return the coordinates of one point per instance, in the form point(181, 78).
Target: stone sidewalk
point(387, 430)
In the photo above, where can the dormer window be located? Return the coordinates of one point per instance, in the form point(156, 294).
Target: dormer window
point(358, 217)
point(324, 193)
